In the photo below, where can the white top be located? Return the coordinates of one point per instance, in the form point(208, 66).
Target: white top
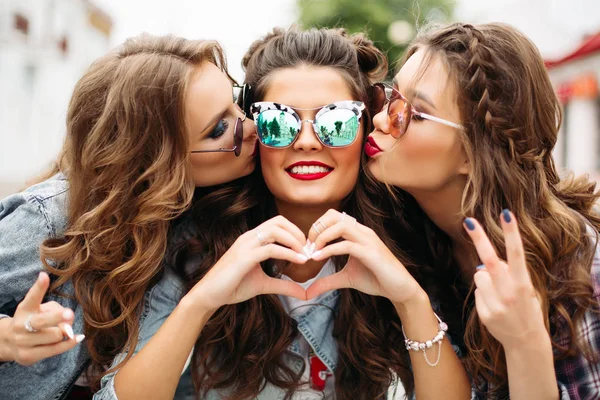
point(296, 307)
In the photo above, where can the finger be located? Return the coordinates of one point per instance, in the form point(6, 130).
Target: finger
point(482, 309)
point(285, 288)
point(344, 247)
point(277, 252)
point(47, 351)
point(276, 234)
point(35, 295)
point(43, 337)
point(339, 280)
point(482, 243)
point(330, 218)
point(284, 223)
point(51, 318)
point(515, 253)
point(486, 288)
point(354, 233)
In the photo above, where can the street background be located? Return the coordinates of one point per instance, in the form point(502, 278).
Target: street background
point(46, 45)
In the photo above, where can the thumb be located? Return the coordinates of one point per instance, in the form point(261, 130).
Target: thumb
point(34, 297)
point(339, 280)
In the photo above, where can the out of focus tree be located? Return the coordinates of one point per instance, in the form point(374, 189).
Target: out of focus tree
point(391, 24)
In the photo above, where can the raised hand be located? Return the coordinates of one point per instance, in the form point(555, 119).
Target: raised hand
point(371, 267)
point(39, 330)
point(237, 276)
point(506, 301)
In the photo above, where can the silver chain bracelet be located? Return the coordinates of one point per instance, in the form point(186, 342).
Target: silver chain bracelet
point(423, 346)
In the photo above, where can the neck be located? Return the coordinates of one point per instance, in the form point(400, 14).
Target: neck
point(444, 209)
point(303, 217)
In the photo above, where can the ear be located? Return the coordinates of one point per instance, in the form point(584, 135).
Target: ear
point(463, 168)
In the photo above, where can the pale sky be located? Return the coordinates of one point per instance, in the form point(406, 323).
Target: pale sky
point(556, 26)
point(234, 23)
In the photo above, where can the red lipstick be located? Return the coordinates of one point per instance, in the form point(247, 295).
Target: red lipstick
point(371, 147)
point(308, 170)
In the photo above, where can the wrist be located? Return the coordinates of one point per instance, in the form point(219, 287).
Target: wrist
point(194, 307)
point(415, 304)
point(5, 346)
point(532, 343)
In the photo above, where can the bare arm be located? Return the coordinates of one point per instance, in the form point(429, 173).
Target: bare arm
point(531, 372)
point(446, 380)
point(164, 357)
point(154, 372)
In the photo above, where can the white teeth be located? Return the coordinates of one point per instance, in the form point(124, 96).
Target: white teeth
point(309, 169)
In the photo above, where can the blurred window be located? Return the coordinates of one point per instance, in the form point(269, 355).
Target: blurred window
point(21, 24)
point(63, 45)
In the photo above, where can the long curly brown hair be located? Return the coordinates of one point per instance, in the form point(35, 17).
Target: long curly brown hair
point(126, 159)
point(511, 117)
point(244, 346)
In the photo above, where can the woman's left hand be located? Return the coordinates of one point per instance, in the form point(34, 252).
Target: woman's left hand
point(506, 301)
point(371, 266)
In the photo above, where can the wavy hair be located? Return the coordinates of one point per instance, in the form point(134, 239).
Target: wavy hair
point(511, 117)
point(244, 346)
point(126, 158)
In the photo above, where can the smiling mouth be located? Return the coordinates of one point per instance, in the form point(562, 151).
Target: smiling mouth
point(308, 172)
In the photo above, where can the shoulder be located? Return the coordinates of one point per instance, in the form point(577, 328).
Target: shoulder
point(42, 204)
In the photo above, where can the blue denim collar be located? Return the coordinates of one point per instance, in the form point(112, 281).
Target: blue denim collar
point(316, 326)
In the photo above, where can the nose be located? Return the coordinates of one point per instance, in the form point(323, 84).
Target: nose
point(381, 121)
point(307, 138)
point(249, 129)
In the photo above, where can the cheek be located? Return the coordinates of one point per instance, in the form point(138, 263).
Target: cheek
point(271, 160)
point(421, 159)
point(212, 169)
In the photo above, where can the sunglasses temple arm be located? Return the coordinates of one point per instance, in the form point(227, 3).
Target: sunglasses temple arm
point(440, 120)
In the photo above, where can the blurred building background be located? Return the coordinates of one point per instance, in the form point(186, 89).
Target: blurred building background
point(46, 45)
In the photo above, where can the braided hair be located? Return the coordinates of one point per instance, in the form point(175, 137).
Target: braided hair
point(511, 117)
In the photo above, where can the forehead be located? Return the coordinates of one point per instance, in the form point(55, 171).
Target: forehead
point(307, 87)
point(427, 73)
point(208, 94)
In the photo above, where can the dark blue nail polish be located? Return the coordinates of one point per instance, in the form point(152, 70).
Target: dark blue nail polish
point(470, 224)
point(506, 216)
point(480, 267)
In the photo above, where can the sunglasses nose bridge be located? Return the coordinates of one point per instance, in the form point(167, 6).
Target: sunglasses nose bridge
point(307, 140)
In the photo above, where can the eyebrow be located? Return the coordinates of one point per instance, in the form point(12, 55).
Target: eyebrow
point(416, 94)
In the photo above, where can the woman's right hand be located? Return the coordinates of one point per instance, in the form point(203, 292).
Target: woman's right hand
point(238, 276)
point(51, 323)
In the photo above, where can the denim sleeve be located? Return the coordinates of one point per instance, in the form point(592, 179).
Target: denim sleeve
point(159, 302)
point(23, 228)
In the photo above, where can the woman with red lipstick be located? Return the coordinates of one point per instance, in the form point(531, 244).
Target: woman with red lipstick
point(309, 91)
point(467, 131)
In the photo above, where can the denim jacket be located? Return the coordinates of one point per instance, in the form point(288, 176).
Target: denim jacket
point(26, 220)
point(315, 326)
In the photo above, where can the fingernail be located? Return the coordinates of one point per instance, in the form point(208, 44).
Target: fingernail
point(506, 216)
point(79, 338)
point(302, 257)
point(40, 276)
point(69, 331)
point(313, 246)
point(480, 267)
point(316, 254)
point(308, 242)
point(67, 314)
point(470, 224)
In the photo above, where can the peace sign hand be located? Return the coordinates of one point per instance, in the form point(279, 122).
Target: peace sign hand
point(506, 301)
